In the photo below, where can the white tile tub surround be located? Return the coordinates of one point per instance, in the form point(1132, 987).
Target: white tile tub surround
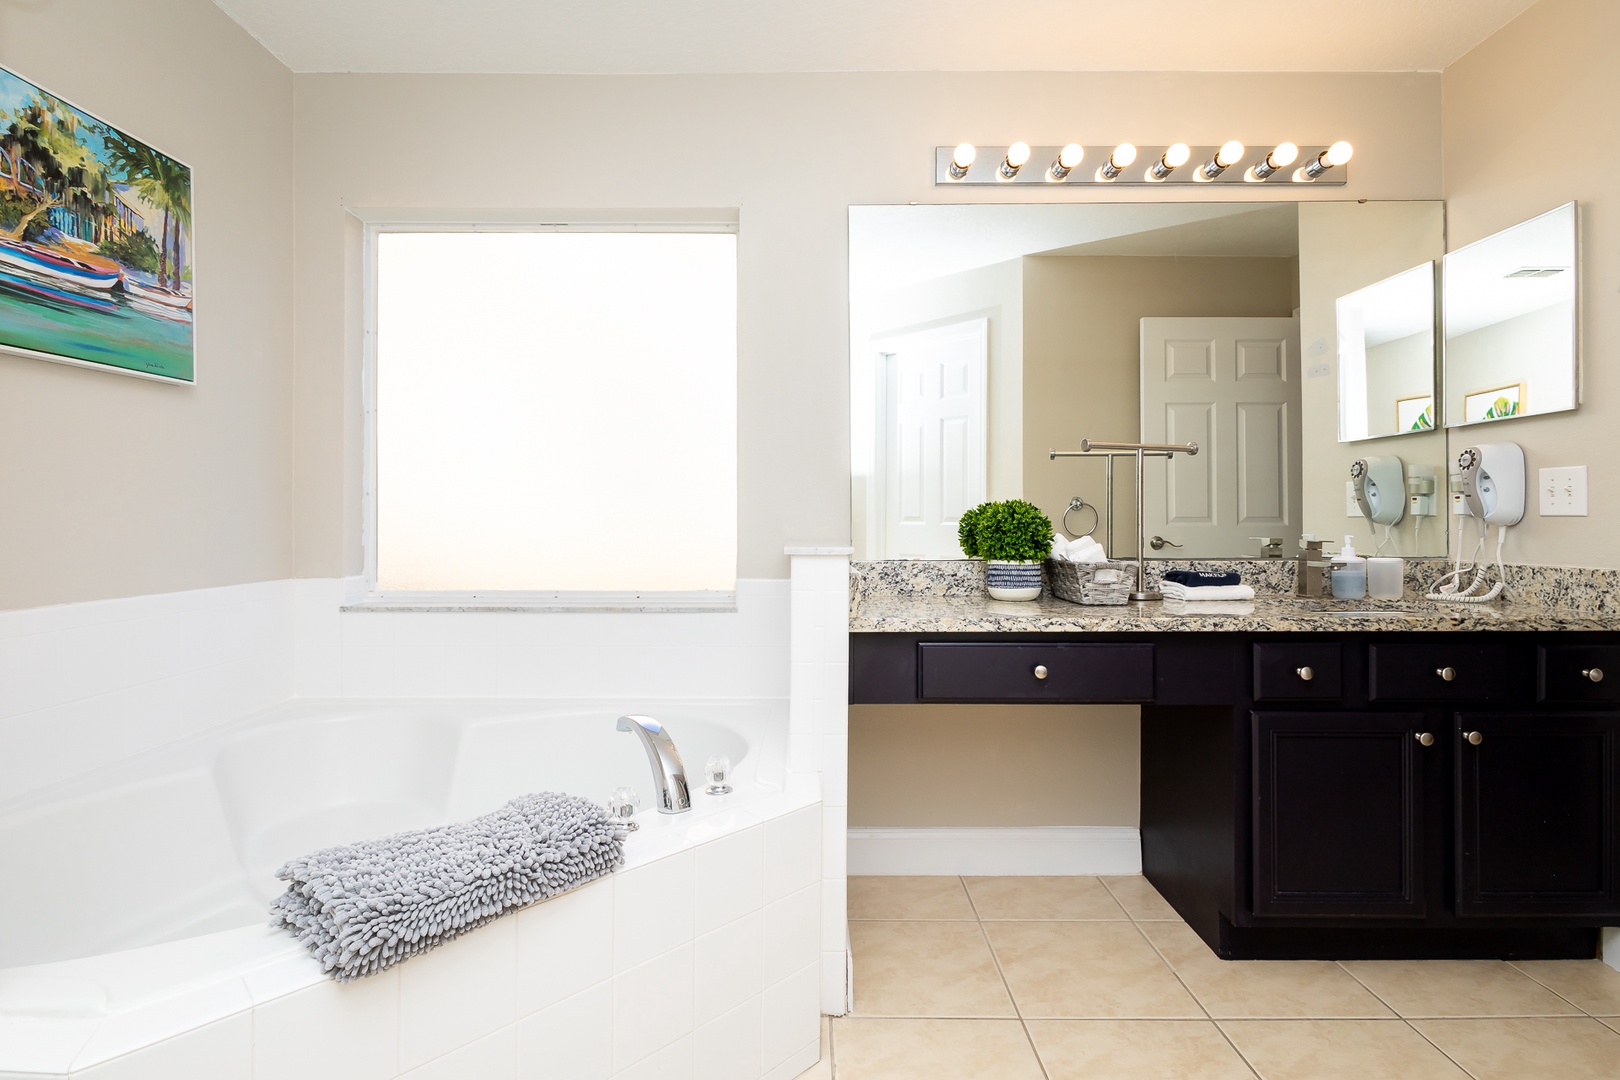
point(610, 982)
point(84, 685)
point(500, 654)
point(818, 734)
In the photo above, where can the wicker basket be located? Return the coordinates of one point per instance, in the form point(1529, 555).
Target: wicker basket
point(1072, 581)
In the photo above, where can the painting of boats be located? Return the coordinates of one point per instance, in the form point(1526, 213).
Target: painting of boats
point(95, 241)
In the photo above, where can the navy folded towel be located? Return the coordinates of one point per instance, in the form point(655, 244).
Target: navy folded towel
point(1197, 578)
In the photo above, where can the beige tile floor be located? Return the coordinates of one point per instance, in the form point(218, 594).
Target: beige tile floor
point(1081, 977)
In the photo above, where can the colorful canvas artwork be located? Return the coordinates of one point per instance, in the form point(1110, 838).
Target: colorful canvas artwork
point(95, 241)
point(1495, 404)
point(1414, 413)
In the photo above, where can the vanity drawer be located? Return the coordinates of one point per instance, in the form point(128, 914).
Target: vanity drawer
point(1298, 672)
point(1077, 672)
point(1578, 674)
point(1418, 672)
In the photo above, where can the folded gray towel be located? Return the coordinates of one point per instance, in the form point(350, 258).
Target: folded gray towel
point(361, 908)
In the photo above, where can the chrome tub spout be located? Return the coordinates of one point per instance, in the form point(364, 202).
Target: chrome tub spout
point(669, 775)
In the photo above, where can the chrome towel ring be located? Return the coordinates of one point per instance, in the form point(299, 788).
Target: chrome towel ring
point(1077, 503)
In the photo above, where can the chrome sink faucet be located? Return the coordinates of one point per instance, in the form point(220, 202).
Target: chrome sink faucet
point(669, 775)
point(1311, 572)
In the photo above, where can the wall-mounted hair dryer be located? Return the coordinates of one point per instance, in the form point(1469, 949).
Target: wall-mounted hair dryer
point(1493, 482)
point(1380, 487)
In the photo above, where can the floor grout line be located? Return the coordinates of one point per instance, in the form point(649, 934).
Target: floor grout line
point(1403, 1019)
point(1005, 985)
point(1550, 990)
point(1196, 1000)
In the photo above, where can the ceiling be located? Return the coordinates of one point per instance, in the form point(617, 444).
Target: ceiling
point(704, 36)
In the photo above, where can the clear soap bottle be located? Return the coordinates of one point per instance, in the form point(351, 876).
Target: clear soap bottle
point(1349, 573)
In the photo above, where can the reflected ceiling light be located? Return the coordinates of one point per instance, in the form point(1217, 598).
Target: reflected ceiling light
point(1123, 157)
point(1171, 160)
point(1337, 154)
point(961, 159)
point(1017, 157)
point(1229, 154)
point(1281, 156)
point(1070, 156)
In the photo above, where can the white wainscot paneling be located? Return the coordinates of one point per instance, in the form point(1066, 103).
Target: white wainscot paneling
point(1078, 849)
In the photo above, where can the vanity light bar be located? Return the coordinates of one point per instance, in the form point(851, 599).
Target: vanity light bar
point(1257, 164)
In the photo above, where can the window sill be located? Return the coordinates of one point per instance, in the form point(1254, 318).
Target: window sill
point(548, 602)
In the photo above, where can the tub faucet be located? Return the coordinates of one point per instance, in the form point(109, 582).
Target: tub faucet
point(669, 775)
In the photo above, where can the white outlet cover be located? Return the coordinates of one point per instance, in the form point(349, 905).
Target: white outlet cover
point(1563, 491)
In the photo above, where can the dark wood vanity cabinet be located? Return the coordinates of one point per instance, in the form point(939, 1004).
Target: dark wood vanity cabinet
point(1420, 794)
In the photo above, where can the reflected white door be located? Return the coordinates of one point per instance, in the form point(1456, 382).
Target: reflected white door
point(1231, 386)
point(934, 438)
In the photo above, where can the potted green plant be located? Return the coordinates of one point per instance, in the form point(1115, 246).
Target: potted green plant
point(1012, 537)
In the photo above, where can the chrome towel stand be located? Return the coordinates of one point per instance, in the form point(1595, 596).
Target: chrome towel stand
point(1140, 451)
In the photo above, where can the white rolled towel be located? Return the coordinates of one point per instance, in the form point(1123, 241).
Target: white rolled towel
point(1174, 590)
point(1060, 544)
point(1086, 550)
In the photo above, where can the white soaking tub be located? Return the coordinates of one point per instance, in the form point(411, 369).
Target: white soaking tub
point(134, 937)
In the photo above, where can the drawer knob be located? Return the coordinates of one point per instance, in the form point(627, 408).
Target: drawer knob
point(1474, 738)
point(1040, 671)
point(1426, 738)
point(1593, 673)
point(1449, 674)
point(1305, 673)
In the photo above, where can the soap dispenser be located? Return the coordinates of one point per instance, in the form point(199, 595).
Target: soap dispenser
point(1349, 573)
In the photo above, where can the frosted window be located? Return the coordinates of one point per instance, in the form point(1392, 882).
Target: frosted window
point(556, 411)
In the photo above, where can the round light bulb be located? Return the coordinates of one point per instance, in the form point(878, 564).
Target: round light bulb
point(1124, 154)
point(1283, 156)
point(1071, 155)
point(1339, 153)
point(1177, 155)
point(1229, 154)
point(1018, 155)
point(963, 155)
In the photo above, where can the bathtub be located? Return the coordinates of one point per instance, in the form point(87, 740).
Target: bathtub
point(133, 917)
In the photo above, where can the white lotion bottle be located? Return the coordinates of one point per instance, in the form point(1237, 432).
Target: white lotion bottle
point(1349, 573)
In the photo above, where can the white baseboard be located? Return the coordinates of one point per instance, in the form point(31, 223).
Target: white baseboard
point(1611, 945)
point(1042, 851)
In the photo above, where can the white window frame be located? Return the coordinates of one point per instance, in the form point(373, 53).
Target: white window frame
point(362, 594)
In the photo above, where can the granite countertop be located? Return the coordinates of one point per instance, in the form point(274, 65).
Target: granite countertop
point(949, 598)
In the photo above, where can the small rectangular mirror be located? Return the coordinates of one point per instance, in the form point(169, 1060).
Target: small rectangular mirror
point(1510, 322)
point(1386, 357)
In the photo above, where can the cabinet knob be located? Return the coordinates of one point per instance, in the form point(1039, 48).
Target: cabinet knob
point(1426, 738)
point(1040, 671)
point(1305, 673)
point(1593, 673)
point(1447, 673)
point(1474, 738)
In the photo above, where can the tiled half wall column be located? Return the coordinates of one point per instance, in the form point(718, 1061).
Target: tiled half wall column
point(818, 734)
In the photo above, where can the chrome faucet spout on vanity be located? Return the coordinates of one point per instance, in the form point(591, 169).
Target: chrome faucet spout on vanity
point(669, 775)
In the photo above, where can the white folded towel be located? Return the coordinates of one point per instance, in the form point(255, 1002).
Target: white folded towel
point(1173, 590)
point(1085, 550)
point(1207, 607)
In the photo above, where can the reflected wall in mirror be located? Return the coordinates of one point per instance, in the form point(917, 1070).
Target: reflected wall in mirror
point(1510, 322)
point(984, 336)
point(1386, 357)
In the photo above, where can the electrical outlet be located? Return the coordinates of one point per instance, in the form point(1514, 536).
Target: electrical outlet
point(1563, 492)
point(1351, 507)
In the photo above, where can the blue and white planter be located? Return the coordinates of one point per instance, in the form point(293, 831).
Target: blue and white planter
point(1013, 580)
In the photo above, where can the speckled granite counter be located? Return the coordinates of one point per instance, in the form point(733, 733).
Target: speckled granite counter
point(949, 598)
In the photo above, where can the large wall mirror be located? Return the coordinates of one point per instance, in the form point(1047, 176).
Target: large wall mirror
point(1510, 322)
point(982, 337)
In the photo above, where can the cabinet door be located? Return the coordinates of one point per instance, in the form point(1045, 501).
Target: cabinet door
point(1536, 813)
point(1339, 813)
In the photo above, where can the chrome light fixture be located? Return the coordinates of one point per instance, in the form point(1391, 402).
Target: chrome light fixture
point(1070, 156)
point(1282, 155)
point(1335, 155)
point(1230, 153)
point(1017, 157)
point(1123, 157)
point(962, 159)
point(1172, 159)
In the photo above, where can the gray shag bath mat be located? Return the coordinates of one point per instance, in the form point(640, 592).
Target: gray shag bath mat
point(361, 908)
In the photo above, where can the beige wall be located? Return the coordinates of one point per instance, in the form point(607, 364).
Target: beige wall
point(1082, 358)
point(793, 152)
point(1344, 247)
point(115, 486)
point(985, 765)
point(1543, 89)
